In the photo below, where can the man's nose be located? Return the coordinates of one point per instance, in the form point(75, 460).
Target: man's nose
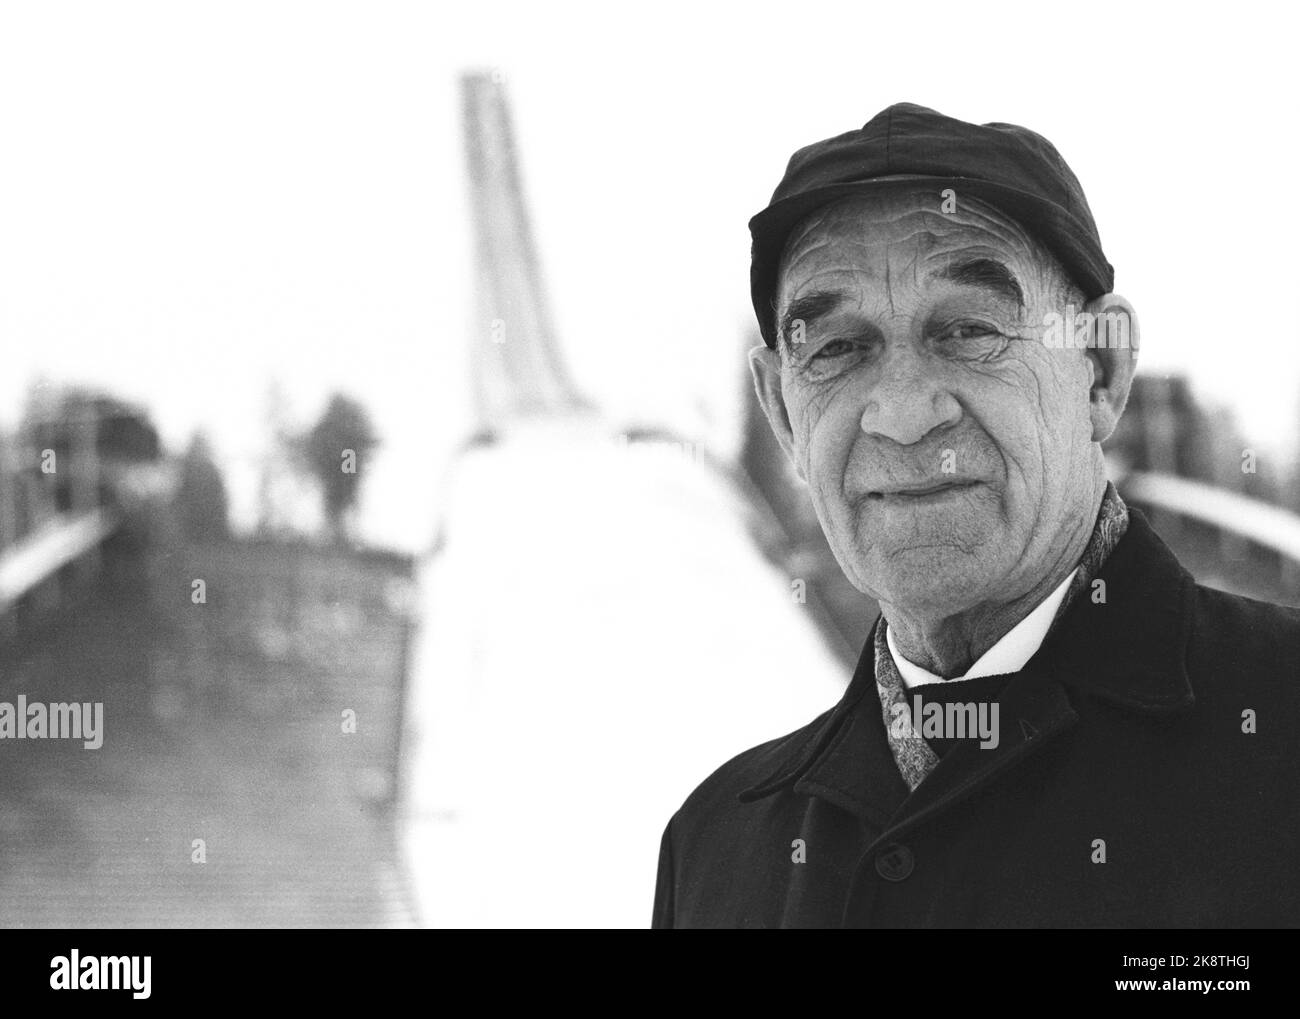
point(908, 400)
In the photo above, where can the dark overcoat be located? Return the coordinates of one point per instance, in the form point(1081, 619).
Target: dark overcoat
point(1147, 775)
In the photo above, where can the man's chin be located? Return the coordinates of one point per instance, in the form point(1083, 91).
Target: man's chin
point(938, 579)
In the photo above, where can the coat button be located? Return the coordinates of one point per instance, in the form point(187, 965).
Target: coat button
point(895, 863)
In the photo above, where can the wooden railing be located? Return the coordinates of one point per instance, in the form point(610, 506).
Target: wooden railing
point(1233, 514)
point(51, 512)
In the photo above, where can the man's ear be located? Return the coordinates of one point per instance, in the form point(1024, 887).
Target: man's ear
point(765, 364)
point(1113, 353)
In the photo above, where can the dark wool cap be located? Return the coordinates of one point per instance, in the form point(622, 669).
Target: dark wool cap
point(1015, 170)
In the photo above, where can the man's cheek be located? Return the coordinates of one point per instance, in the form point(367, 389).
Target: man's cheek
point(828, 415)
point(824, 457)
point(804, 415)
point(1050, 390)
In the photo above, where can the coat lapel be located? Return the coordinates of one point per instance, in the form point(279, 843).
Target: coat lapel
point(845, 758)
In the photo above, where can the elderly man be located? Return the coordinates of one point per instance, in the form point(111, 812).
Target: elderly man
point(1051, 723)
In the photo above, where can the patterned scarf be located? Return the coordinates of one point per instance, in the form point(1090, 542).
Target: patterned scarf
point(912, 753)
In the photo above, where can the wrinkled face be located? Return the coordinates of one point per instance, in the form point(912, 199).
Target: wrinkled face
point(947, 449)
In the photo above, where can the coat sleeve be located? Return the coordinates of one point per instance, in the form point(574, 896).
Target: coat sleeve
point(665, 883)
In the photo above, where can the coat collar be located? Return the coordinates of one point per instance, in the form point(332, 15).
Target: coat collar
point(1124, 641)
point(1131, 648)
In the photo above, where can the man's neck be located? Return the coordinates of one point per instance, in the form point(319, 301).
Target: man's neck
point(948, 646)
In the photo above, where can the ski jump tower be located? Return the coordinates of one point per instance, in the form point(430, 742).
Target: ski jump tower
point(518, 370)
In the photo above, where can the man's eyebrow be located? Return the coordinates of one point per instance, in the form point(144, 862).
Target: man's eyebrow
point(810, 307)
point(987, 273)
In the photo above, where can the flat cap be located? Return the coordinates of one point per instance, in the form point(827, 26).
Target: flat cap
point(1015, 170)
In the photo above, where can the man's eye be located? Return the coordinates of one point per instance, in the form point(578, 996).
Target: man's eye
point(977, 340)
point(834, 348)
point(969, 331)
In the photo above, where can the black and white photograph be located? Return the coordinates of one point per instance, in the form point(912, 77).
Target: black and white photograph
point(674, 466)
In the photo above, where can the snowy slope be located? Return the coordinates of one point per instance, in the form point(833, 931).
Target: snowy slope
point(597, 635)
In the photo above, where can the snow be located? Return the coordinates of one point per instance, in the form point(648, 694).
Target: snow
point(598, 634)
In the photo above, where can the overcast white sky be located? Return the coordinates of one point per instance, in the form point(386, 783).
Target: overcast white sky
point(198, 198)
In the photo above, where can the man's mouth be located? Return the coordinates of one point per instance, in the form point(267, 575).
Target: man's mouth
point(925, 491)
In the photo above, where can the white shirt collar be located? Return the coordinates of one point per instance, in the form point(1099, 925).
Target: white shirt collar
point(1009, 654)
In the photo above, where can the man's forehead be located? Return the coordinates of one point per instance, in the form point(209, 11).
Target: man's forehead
point(855, 234)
